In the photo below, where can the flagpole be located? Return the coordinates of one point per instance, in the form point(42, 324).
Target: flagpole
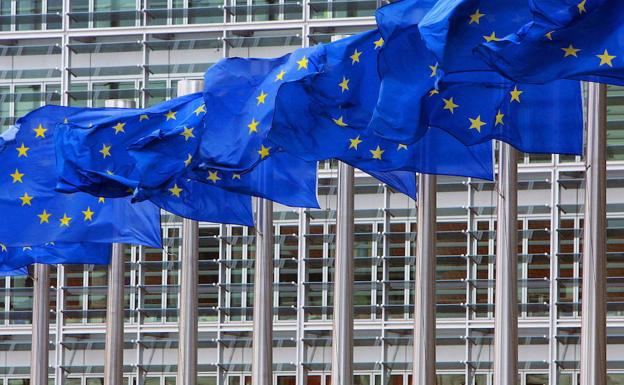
point(342, 336)
point(39, 357)
point(114, 339)
point(593, 308)
point(262, 360)
point(424, 366)
point(189, 265)
point(506, 284)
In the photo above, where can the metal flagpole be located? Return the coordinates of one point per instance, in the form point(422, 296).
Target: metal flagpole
point(506, 286)
point(424, 369)
point(189, 264)
point(262, 361)
point(39, 358)
point(342, 336)
point(113, 348)
point(594, 308)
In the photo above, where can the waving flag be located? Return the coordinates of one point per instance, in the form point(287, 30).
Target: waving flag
point(582, 40)
point(28, 201)
point(14, 259)
point(92, 156)
point(325, 115)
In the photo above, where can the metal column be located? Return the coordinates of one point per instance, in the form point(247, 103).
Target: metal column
point(262, 360)
point(189, 265)
point(424, 369)
point(342, 336)
point(39, 357)
point(594, 308)
point(506, 284)
point(113, 349)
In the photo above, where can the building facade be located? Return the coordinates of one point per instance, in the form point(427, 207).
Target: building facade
point(83, 52)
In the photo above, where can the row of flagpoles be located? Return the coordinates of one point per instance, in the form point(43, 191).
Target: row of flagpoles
point(593, 332)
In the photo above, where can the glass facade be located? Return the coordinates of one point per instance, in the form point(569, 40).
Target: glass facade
point(95, 50)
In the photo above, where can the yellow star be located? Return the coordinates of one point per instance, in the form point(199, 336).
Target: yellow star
point(253, 126)
point(143, 117)
point(88, 214)
point(549, 35)
point(105, 151)
point(379, 43)
point(434, 70)
point(119, 127)
point(171, 115)
point(605, 58)
point(175, 190)
point(355, 58)
point(303, 63)
point(26, 248)
point(581, 7)
point(261, 98)
point(476, 17)
point(187, 133)
point(26, 199)
point(65, 121)
point(236, 176)
point(213, 176)
point(344, 84)
point(17, 176)
point(264, 152)
point(280, 75)
point(450, 105)
point(355, 142)
point(492, 37)
point(44, 217)
point(377, 153)
point(3, 247)
point(433, 92)
point(101, 200)
point(499, 119)
point(40, 131)
point(109, 172)
point(570, 51)
point(401, 147)
point(22, 151)
point(200, 109)
point(477, 123)
point(188, 160)
point(65, 220)
point(340, 122)
point(515, 95)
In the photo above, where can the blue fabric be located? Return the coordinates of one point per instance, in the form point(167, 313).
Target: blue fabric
point(406, 69)
point(453, 28)
point(14, 260)
point(532, 118)
point(157, 173)
point(564, 42)
point(28, 201)
point(317, 119)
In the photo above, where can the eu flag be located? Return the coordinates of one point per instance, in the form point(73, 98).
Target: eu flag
point(114, 171)
point(407, 69)
point(453, 28)
point(19, 257)
point(28, 201)
point(564, 41)
point(326, 114)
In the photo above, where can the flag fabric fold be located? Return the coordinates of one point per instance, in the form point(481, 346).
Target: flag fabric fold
point(581, 41)
point(16, 259)
point(29, 202)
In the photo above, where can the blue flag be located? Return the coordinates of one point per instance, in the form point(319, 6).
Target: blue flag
point(52, 253)
point(326, 114)
point(453, 28)
point(114, 171)
point(580, 41)
point(407, 69)
point(28, 201)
